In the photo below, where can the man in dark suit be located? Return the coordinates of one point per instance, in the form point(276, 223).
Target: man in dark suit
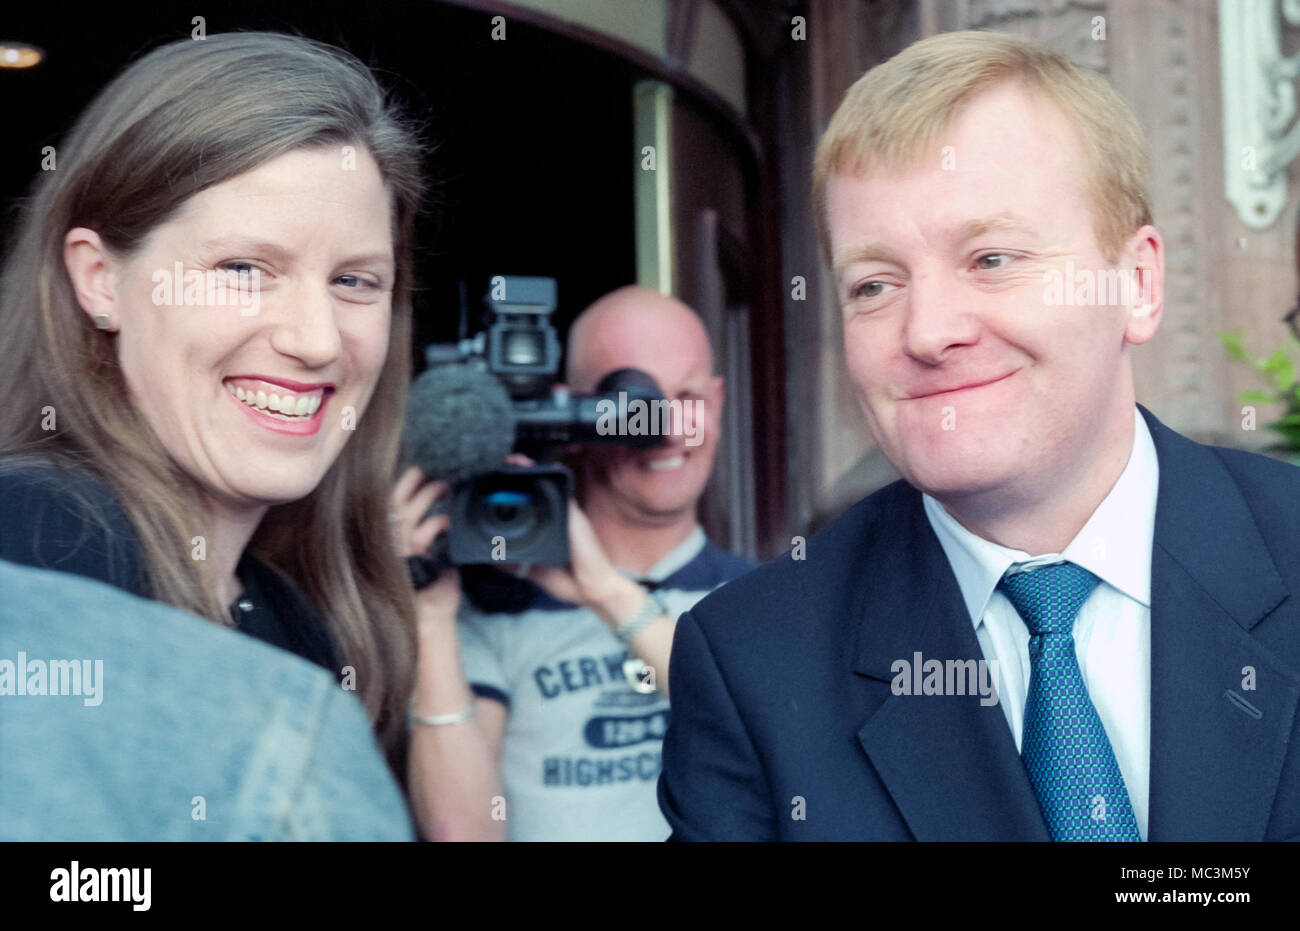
point(1067, 621)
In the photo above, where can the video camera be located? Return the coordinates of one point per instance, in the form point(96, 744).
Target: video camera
point(519, 514)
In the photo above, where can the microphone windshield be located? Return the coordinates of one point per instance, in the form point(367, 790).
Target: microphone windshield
point(459, 423)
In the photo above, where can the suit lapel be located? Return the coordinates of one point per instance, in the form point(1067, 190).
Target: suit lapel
point(949, 763)
point(1216, 747)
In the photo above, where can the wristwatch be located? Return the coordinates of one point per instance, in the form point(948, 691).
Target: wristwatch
point(653, 607)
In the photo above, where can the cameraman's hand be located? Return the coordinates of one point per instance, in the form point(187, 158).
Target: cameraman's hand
point(438, 602)
point(590, 579)
point(410, 501)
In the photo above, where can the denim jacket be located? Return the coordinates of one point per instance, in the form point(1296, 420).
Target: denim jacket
point(125, 719)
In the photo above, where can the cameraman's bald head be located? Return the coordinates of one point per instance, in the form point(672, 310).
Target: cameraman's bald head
point(634, 327)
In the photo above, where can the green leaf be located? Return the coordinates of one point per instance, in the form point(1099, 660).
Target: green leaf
point(1284, 373)
point(1291, 433)
point(1279, 368)
point(1256, 397)
point(1232, 345)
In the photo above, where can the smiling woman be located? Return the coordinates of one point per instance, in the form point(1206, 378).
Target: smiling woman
point(229, 457)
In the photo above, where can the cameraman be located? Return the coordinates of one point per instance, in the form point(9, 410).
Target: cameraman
point(546, 723)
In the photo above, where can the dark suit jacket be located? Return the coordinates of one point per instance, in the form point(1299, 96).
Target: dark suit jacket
point(782, 703)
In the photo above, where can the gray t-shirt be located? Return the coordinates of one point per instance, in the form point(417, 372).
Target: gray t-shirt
point(581, 752)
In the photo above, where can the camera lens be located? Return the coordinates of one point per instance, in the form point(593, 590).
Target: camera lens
point(523, 508)
point(509, 513)
point(517, 512)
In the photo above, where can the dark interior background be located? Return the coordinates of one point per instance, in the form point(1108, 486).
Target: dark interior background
point(531, 147)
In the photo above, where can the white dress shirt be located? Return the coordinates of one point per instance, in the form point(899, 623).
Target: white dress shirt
point(1112, 633)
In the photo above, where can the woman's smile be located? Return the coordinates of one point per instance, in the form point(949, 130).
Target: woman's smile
point(296, 409)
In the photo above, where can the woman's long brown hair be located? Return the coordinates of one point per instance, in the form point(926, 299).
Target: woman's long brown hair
point(186, 116)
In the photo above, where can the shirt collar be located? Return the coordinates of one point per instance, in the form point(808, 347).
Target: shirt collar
point(679, 556)
point(1114, 544)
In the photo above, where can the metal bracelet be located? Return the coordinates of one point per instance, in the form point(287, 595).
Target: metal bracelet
point(437, 720)
point(648, 612)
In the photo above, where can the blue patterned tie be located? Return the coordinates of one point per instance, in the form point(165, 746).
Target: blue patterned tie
point(1069, 759)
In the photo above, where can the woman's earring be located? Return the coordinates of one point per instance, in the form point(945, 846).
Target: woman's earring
point(102, 321)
